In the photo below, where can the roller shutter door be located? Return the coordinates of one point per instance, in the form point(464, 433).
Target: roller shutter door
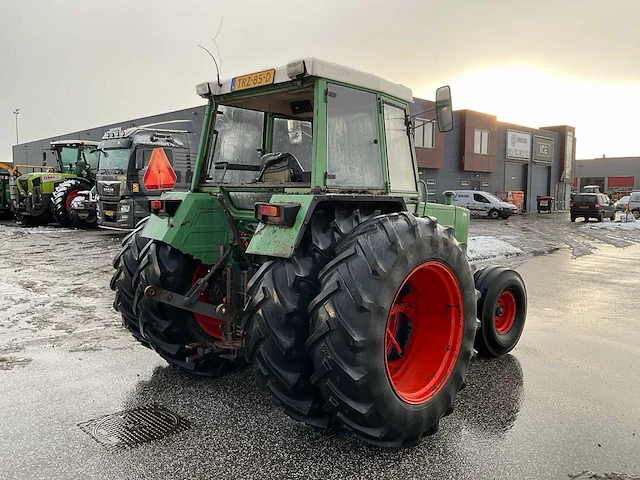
point(539, 184)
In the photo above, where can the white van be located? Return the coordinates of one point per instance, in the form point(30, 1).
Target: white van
point(482, 203)
point(634, 204)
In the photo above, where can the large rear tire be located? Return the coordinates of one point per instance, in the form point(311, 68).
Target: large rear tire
point(276, 321)
point(126, 264)
point(393, 328)
point(63, 195)
point(174, 333)
point(502, 309)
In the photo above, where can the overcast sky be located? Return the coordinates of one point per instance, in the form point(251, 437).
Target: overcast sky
point(74, 64)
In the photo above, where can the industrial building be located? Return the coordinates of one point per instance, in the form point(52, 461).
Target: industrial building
point(479, 153)
point(484, 154)
point(613, 175)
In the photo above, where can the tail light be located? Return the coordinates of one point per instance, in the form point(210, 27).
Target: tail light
point(156, 207)
point(597, 204)
point(278, 214)
point(164, 207)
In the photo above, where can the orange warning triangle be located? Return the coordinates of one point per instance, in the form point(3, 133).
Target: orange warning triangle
point(159, 173)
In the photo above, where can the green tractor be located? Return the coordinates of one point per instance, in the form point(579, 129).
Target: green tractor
point(40, 197)
point(305, 246)
point(5, 193)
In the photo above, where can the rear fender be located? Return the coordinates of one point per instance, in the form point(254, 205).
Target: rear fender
point(448, 216)
point(280, 241)
point(198, 227)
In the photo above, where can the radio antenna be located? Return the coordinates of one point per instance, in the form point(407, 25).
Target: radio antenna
point(218, 66)
point(214, 61)
point(216, 43)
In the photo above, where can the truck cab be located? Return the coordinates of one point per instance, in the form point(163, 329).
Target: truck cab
point(136, 165)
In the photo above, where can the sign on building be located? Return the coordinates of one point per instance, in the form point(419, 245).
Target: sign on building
point(568, 157)
point(543, 149)
point(518, 145)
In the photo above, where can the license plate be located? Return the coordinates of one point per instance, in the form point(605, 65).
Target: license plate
point(584, 206)
point(257, 79)
point(109, 213)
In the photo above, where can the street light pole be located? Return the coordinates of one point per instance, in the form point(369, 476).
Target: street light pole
point(16, 112)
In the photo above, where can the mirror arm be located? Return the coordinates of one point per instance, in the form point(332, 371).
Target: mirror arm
point(420, 113)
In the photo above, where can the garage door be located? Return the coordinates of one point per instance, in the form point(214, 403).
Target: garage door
point(515, 177)
point(539, 184)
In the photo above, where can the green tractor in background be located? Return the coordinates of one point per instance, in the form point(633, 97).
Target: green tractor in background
point(5, 192)
point(306, 247)
point(38, 198)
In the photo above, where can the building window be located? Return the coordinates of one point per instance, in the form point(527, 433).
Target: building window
point(424, 133)
point(481, 141)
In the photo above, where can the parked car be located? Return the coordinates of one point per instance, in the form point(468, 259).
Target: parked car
point(634, 204)
point(592, 205)
point(482, 203)
point(622, 203)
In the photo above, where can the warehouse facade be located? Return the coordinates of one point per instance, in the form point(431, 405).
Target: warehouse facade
point(613, 175)
point(479, 153)
point(34, 153)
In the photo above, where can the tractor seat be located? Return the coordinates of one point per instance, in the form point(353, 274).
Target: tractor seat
point(282, 167)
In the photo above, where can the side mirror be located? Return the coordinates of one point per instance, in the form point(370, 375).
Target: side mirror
point(139, 159)
point(294, 128)
point(444, 109)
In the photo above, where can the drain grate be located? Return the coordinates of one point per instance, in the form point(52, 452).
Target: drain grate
point(130, 428)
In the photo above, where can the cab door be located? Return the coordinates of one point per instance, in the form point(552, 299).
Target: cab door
point(481, 204)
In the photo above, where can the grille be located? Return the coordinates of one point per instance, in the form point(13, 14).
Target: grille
point(130, 428)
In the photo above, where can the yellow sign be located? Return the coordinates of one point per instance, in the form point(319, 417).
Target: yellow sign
point(266, 77)
point(109, 213)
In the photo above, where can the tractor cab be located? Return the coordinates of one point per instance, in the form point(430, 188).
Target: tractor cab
point(75, 157)
point(312, 125)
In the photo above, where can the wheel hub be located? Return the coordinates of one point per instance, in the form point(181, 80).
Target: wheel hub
point(424, 332)
point(505, 312)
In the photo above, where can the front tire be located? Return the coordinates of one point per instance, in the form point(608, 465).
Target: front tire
point(399, 286)
point(502, 309)
point(63, 195)
point(494, 215)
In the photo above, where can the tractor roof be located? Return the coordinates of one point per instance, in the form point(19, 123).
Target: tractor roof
point(313, 67)
point(73, 143)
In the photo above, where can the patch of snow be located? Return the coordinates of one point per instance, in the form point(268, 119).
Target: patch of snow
point(628, 225)
point(485, 247)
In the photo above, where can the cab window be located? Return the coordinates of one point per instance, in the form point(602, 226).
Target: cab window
point(402, 175)
point(480, 198)
point(353, 147)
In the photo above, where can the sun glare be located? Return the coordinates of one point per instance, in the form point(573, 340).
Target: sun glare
point(603, 113)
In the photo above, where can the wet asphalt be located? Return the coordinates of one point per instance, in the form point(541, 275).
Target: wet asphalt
point(565, 401)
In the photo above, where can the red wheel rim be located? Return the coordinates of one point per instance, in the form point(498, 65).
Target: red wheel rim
point(70, 197)
point(505, 313)
point(212, 326)
point(424, 332)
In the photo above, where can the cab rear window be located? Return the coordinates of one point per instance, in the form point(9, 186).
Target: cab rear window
point(584, 198)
